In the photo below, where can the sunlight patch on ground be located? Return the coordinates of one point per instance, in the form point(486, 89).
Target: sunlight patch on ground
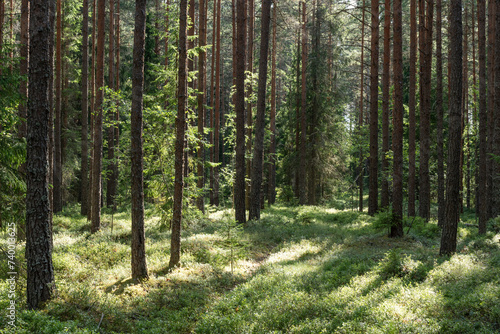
point(294, 252)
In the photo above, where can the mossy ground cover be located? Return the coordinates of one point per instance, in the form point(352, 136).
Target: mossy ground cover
point(298, 270)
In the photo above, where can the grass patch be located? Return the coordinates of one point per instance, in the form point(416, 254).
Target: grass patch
point(297, 270)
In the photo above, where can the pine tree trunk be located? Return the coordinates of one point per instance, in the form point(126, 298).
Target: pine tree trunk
point(217, 106)
point(97, 144)
point(373, 190)
point(111, 180)
point(412, 110)
point(201, 106)
point(40, 271)
point(180, 124)
point(297, 112)
point(439, 115)
point(361, 109)
point(386, 78)
point(303, 121)
point(449, 234)
point(249, 111)
point(212, 102)
point(258, 150)
point(92, 108)
point(272, 126)
point(239, 186)
point(139, 267)
point(491, 102)
point(496, 136)
point(397, 123)
point(57, 123)
point(85, 108)
point(23, 68)
point(483, 119)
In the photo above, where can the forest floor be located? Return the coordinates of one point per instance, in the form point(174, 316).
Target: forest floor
point(298, 270)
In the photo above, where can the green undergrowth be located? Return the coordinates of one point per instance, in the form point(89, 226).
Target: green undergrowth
point(297, 270)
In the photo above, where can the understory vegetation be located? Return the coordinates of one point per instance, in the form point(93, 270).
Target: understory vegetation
point(297, 270)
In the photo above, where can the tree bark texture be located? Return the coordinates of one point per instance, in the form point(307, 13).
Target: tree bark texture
point(412, 110)
point(217, 116)
point(40, 271)
point(85, 110)
point(449, 233)
point(239, 186)
point(180, 124)
point(258, 149)
point(386, 79)
point(491, 101)
point(361, 109)
point(439, 115)
point(139, 267)
point(57, 186)
point(373, 180)
point(483, 119)
point(397, 123)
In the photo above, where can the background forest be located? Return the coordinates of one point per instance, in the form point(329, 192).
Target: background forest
point(321, 166)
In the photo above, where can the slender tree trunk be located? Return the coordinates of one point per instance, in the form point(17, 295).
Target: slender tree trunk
point(97, 144)
point(361, 109)
point(449, 234)
point(40, 271)
point(92, 108)
point(439, 114)
point(257, 163)
point(483, 119)
point(425, 108)
point(397, 123)
point(465, 109)
point(111, 180)
point(217, 106)
point(239, 186)
point(51, 108)
point(496, 136)
point(85, 108)
point(412, 110)
point(386, 78)
point(2, 15)
point(303, 137)
point(373, 192)
point(117, 110)
point(201, 105)
point(57, 123)
point(249, 111)
point(212, 103)
point(23, 68)
point(491, 102)
point(297, 113)
point(180, 124)
point(272, 126)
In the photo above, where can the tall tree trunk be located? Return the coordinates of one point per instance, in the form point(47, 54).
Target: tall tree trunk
point(303, 137)
point(239, 186)
point(23, 68)
point(258, 150)
point(483, 119)
point(97, 144)
point(297, 112)
point(397, 123)
point(249, 111)
point(449, 234)
point(412, 110)
point(51, 108)
point(217, 106)
point(92, 107)
point(40, 271)
point(201, 105)
point(85, 108)
point(439, 114)
point(180, 124)
point(425, 109)
point(57, 123)
point(212, 103)
point(373, 191)
point(139, 267)
point(111, 180)
point(117, 110)
point(496, 136)
point(465, 108)
point(2, 15)
point(361, 108)
point(272, 126)
point(386, 78)
point(491, 101)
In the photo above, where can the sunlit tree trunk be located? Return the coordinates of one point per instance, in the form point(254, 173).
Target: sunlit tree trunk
point(139, 267)
point(249, 111)
point(361, 109)
point(111, 180)
point(40, 271)
point(272, 126)
point(217, 105)
point(397, 123)
point(449, 234)
point(212, 103)
point(201, 105)
point(97, 143)
point(257, 163)
point(180, 124)
point(373, 189)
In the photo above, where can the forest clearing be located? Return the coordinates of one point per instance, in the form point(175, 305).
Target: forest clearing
point(298, 270)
